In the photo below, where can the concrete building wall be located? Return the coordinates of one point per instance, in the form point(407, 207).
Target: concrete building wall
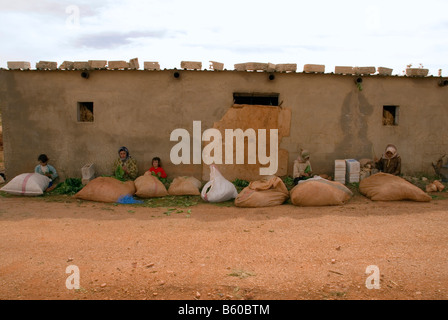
point(139, 109)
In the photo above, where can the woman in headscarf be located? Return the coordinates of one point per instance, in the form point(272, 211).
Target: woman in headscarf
point(390, 162)
point(125, 167)
point(302, 167)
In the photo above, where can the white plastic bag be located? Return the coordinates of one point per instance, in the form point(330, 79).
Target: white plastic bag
point(218, 189)
point(27, 184)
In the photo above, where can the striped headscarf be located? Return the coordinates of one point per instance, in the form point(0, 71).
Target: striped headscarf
point(125, 150)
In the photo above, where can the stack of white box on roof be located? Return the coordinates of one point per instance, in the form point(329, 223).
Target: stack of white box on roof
point(352, 170)
point(339, 171)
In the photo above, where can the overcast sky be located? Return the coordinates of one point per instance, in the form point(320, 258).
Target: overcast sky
point(335, 33)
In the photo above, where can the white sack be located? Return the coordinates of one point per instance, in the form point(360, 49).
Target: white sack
point(27, 184)
point(218, 189)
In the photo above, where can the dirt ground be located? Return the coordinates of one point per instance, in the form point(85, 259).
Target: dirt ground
point(212, 252)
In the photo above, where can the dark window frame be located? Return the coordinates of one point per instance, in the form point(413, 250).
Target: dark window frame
point(256, 98)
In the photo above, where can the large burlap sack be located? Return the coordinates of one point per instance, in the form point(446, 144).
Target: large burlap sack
point(319, 192)
point(387, 187)
point(185, 186)
point(218, 189)
point(27, 184)
point(267, 192)
point(106, 189)
point(149, 186)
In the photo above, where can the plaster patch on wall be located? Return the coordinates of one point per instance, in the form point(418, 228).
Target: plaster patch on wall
point(252, 117)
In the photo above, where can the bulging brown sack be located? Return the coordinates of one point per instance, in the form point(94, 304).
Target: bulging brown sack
point(148, 186)
point(105, 189)
point(185, 186)
point(267, 192)
point(320, 192)
point(387, 187)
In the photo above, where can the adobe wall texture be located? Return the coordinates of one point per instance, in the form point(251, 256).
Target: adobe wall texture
point(139, 109)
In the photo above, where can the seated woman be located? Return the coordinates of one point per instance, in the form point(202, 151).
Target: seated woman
point(302, 167)
point(125, 167)
point(390, 162)
point(47, 170)
point(157, 169)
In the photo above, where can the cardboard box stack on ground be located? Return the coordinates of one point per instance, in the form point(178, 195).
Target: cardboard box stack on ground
point(352, 170)
point(339, 171)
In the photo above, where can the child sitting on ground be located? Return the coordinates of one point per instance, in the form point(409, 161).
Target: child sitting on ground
point(47, 170)
point(157, 169)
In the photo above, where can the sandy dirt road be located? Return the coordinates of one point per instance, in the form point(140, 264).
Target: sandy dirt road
point(215, 252)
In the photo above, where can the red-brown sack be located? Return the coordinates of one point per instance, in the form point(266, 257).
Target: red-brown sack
point(387, 187)
point(319, 192)
point(266, 192)
point(105, 189)
point(149, 186)
point(183, 186)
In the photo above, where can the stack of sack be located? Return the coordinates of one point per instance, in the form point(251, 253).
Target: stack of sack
point(185, 186)
point(387, 187)
point(218, 188)
point(27, 184)
point(106, 189)
point(319, 192)
point(267, 192)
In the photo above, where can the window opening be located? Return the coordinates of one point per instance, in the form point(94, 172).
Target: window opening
point(85, 111)
point(266, 99)
point(390, 115)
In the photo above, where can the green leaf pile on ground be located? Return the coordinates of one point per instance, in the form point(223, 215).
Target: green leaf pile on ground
point(69, 187)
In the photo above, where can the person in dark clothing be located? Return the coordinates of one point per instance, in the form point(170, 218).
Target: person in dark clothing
point(390, 162)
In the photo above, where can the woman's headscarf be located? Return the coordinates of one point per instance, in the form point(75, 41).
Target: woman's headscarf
point(390, 148)
point(304, 155)
point(125, 150)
